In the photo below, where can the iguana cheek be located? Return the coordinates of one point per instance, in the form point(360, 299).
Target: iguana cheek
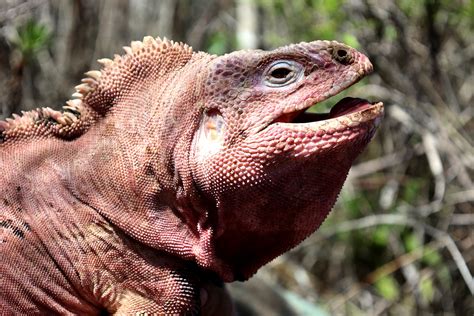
point(210, 135)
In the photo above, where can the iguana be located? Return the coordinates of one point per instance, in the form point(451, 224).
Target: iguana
point(169, 168)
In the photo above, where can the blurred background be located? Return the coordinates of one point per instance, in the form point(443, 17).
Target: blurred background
point(400, 240)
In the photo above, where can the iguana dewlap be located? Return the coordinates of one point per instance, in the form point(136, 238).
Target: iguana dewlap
point(170, 166)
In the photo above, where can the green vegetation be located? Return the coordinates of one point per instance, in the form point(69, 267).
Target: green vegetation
point(31, 38)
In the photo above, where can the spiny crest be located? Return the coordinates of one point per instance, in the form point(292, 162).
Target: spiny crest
point(100, 90)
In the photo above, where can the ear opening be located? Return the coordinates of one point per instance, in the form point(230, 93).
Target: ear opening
point(210, 135)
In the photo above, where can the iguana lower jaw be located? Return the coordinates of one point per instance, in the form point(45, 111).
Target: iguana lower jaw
point(309, 134)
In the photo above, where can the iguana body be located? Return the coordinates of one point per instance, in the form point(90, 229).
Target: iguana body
point(168, 167)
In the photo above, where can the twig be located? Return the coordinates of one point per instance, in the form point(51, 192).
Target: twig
point(387, 269)
point(462, 220)
point(436, 167)
point(375, 165)
point(397, 219)
point(460, 197)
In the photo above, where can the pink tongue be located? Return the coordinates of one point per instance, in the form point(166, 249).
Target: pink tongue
point(348, 105)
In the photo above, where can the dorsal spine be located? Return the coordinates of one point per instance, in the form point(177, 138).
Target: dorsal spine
point(99, 91)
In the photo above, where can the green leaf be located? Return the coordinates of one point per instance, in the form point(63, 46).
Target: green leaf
point(431, 257)
point(411, 242)
point(218, 44)
point(350, 40)
point(444, 275)
point(427, 289)
point(412, 190)
point(390, 33)
point(388, 288)
point(352, 205)
point(32, 37)
point(381, 235)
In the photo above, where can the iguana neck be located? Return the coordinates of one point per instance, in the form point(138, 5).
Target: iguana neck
point(136, 173)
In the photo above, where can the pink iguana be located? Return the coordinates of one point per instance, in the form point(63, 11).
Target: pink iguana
point(169, 167)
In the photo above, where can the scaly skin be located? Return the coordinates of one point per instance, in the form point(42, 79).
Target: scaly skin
point(170, 168)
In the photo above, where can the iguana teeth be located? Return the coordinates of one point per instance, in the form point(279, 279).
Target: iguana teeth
point(95, 74)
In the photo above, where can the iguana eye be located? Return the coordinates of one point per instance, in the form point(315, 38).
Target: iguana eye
point(282, 73)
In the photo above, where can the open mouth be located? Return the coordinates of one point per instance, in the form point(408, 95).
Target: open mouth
point(344, 107)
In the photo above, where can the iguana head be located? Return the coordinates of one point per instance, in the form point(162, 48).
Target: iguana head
point(270, 172)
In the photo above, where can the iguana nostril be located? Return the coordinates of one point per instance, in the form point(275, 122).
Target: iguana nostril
point(342, 55)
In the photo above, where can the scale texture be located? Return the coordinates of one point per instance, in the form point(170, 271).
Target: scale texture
point(170, 169)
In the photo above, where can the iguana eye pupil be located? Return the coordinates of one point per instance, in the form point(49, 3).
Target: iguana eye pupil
point(282, 73)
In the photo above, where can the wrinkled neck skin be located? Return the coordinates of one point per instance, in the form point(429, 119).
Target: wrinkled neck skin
point(290, 198)
point(133, 166)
